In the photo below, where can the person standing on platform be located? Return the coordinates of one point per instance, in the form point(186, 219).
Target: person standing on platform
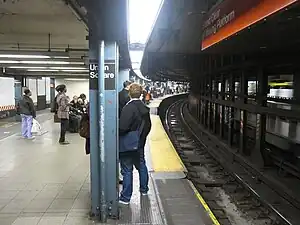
point(63, 112)
point(135, 116)
point(123, 99)
point(27, 111)
point(123, 96)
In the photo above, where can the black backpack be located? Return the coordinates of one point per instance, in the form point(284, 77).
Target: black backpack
point(54, 105)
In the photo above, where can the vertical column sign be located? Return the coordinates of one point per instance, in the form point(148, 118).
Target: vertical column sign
point(110, 74)
point(93, 72)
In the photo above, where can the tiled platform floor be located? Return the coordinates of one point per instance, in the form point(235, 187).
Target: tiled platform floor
point(43, 183)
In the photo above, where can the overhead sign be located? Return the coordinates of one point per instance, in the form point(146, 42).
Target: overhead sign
point(110, 74)
point(93, 73)
point(232, 16)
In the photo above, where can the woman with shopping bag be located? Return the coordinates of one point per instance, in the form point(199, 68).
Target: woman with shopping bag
point(27, 111)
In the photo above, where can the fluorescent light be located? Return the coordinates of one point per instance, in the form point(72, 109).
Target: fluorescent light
point(75, 70)
point(67, 68)
point(61, 57)
point(42, 70)
point(24, 56)
point(76, 79)
point(39, 62)
point(27, 67)
point(9, 61)
point(51, 62)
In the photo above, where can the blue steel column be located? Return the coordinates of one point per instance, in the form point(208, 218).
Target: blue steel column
point(101, 122)
point(94, 131)
point(110, 162)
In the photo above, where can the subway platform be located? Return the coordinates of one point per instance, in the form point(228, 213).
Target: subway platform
point(44, 183)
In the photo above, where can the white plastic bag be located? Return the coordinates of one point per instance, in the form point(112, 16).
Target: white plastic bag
point(36, 127)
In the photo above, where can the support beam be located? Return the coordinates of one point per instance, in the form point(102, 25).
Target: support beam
point(231, 110)
point(216, 106)
point(111, 158)
point(259, 155)
point(243, 113)
point(94, 128)
point(222, 107)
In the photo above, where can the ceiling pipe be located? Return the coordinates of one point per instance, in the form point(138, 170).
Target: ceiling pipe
point(76, 50)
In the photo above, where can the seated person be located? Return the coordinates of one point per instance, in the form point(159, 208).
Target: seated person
point(74, 103)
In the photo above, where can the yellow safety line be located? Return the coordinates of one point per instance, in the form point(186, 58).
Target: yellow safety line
point(204, 204)
point(176, 153)
point(167, 160)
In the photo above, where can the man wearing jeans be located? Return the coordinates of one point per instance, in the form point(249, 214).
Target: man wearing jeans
point(132, 116)
point(27, 111)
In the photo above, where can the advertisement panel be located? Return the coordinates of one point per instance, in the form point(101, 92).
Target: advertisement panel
point(232, 16)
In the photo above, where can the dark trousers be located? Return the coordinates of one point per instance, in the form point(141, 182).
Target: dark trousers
point(127, 162)
point(63, 129)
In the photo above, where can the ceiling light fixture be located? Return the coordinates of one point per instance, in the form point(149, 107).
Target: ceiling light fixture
point(41, 70)
point(75, 70)
point(9, 61)
point(24, 56)
point(51, 62)
point(68, 68)
point(40, 62)
point(76, 79)
point(27, 67)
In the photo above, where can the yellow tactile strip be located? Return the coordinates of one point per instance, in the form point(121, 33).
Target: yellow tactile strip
point(163, 154)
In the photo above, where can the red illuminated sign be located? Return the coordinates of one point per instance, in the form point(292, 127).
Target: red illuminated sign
point(232, 16)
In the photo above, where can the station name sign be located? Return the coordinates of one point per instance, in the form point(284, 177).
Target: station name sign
point(109, 74)
point(93, 74)
point(216, 22)
point(224, 13)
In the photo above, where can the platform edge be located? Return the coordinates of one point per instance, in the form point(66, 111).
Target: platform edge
point(204, 204)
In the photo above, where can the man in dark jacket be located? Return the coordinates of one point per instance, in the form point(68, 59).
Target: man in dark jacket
point(133, 114)
point(27, 111)
point(123, 96)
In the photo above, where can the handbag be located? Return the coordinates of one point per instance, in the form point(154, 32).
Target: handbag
point(130, 141)
point(56, 119)
point(36, 127)
point(84, 128)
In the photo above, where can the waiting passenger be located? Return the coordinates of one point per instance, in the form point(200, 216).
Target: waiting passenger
point(63, 112)
point(27, 111)
point(83, 97)
point(135, 116)
point(74, 103)
point(123, 96)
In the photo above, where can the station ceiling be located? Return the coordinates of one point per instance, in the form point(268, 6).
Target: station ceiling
point(55, 29)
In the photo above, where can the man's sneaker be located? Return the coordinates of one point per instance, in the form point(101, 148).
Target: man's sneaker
point(64, 143)
point(123, 202)
point(31, 138)
point(144, 193)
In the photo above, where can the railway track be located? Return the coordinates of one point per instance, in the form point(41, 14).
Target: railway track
point(235, 196)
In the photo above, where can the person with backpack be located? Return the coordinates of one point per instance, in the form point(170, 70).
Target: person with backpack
point(63, 109)
point(134, 127)
point(27, 111)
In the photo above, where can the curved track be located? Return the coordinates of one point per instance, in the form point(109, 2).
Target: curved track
point(234, 195)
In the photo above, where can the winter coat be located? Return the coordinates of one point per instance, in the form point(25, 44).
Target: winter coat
point(63, 106)
point(26, 106)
